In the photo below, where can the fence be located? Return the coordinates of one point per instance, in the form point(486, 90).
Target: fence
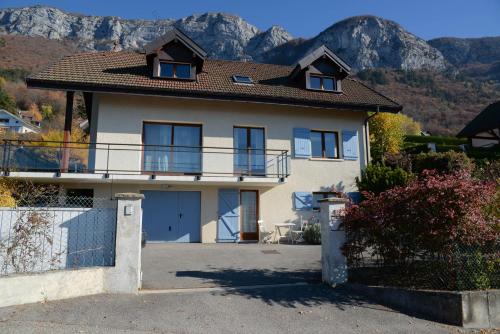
point(49, 233)
point(114, 158)
point(464, 268)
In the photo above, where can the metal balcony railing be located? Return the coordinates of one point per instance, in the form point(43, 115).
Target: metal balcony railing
point(112, 158)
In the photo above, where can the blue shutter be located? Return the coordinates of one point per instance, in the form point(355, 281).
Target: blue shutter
point(350, 144)
point(302, 201)
point(302, 143)
point(228, 225)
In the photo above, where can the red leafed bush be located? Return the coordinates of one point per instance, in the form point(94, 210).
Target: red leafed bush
point(429, 216)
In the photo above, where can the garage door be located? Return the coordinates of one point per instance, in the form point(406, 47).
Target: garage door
point(171, 216)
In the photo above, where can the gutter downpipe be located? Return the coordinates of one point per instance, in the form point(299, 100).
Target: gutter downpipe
point(367, 140)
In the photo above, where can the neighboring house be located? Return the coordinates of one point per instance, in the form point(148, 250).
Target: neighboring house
point(30, 117)
point(214, 145)
point(14, 123)
point(484, 129)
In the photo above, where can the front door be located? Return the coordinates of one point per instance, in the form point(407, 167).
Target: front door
point(249, 205)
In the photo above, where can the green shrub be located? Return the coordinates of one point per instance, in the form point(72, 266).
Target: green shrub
point(376, 178)
point(2, 42)
point(312, 234)
point(445, 162)
point(477, 272)
point(14, 74)
point(6, 102)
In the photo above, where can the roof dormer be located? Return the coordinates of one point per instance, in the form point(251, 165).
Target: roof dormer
point(174, 56)
point(321, 70)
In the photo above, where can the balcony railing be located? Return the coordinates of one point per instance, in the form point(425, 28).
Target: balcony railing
point(125, 159)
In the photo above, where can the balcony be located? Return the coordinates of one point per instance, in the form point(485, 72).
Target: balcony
point(106, 162)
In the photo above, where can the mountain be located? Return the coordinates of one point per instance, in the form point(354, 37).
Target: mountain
point(478, 58)
point(364, 41)
point(463, 51)
point(443, 83)
point(221, 35)
point(367, 42)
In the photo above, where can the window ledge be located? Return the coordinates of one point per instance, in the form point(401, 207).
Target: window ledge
point(325, 159)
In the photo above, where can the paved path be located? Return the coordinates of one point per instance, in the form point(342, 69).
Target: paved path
point(306, 309)
point(169, 266)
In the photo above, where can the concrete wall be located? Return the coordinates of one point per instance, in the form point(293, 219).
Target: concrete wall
point(469, 309)
point(120, 120)
point(53, 285)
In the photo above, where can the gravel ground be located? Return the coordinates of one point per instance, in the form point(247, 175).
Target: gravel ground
point(313, 308)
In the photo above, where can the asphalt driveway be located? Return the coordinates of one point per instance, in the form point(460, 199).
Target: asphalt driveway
point(313, 308)
point(181, 266)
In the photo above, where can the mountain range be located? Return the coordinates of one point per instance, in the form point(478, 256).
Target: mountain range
point(364, 42)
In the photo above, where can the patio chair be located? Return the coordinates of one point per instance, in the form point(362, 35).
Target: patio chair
point(265, 236)
point(298, 234)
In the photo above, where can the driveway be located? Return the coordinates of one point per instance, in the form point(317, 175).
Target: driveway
point(181, 266)
point(313, 308)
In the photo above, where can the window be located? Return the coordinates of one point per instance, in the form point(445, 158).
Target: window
point(249, 144)
point(175, 70)
point(322, 83)
point(80, 198)
point(243, 79)
point(324, 144)
point(4, 120)
point(172, 148)
point(321, 195)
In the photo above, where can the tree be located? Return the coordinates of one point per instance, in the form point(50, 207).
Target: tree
point(47, 111)
point(410, 126)
point(386, 135)
point(34, 112)
point(6, 102)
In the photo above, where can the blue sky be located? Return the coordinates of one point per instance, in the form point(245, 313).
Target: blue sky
point(425, 18)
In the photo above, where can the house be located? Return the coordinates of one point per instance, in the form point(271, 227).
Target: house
point(13, 123)
point(484, 129)
point(30, 117)
point(214, 145)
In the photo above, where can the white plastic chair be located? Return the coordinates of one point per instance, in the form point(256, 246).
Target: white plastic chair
point(265, 237)
point(298, 234)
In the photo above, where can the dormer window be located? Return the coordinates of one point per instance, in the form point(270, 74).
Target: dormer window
point(318, 82)
point(174, 56)
point(175, 70)
point(320, 70)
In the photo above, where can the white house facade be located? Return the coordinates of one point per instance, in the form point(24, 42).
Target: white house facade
point(217, 147)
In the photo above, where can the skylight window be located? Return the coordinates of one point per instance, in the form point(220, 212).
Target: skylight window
point(242, 79)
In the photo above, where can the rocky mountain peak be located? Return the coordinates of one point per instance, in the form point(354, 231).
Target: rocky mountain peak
point(370, 41)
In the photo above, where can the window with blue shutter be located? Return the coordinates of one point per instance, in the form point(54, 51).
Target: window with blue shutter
point(302, 143)
point(302, 201)
point(350, 144)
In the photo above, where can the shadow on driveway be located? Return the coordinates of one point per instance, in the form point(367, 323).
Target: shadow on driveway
point(184, 266)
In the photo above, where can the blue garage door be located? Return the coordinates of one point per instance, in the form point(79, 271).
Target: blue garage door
point(171, 216)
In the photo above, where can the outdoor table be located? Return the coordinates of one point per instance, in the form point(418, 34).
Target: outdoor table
point(277, 231)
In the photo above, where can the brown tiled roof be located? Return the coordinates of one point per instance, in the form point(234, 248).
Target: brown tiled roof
point(127, 72)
